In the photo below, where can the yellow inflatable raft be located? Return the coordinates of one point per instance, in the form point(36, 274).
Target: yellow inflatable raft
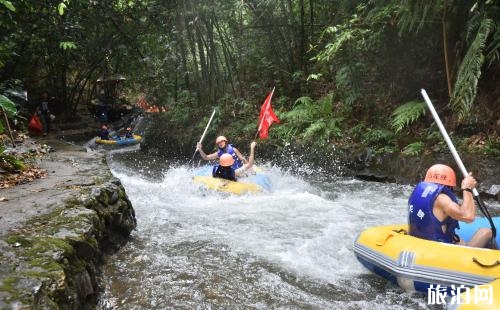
point(253, 183)
point(119, 141)
point(419, 265)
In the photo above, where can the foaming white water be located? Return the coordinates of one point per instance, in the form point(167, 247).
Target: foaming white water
point(304, 229)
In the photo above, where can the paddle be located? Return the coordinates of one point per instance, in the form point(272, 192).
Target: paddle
point(204, 132)
point(460, 164)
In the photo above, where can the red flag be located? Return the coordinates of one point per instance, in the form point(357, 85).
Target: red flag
point(266, 117)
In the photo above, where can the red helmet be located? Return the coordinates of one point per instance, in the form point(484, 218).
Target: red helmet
point(220, 139)
point(226, 160)
point(441, 174)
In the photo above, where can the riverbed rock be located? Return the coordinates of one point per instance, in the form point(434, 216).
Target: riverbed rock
point(55, 232)
point(411, 169)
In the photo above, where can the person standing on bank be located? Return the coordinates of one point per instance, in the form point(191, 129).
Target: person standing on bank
point(224, 147)
point(434, 211)
point(44, 112)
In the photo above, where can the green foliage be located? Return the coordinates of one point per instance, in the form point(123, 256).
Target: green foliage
point(347, 79)
point(406, 114)
point(67, 45)
point(8, 5)
point(483, 145)
point(378, 136)
point(322, 130)
point(7, 105)
point(62, 6)
point(345, 45)
point(312, 121)
point(493, 48)
point(195, 55)
point(469, 72)
point(9, 161)
point(343, 36)
point(414, 149)
point(413, 15)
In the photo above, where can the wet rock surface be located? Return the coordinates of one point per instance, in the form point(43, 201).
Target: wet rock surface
point(410, 170)
point(54, 231)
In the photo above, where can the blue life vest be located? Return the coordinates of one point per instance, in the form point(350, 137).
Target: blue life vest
point(422, 222)
point(104, 134)
point(227, 173)
point(230, 150)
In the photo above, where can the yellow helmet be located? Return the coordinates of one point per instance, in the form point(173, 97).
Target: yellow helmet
point(441, 174)
point(226, 160)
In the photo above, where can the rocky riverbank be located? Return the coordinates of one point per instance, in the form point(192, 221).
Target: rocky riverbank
point(54, 231)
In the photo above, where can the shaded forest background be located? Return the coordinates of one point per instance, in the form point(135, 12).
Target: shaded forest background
point(345, 72)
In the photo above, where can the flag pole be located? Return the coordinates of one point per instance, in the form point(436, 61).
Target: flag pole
point(265, 109)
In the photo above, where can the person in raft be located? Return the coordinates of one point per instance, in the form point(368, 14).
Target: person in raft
point(223, 147)
point(225, 168)
point(128, 133)
point(434, 210)
point(104, 133)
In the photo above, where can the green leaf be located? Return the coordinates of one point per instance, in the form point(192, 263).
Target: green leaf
point(414, 149)
point(406, 114)
point(8, 5)
point(12, 161)
point(61, 7)
point(67, 45)
point(7, 105)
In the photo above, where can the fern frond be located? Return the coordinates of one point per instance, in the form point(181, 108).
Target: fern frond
point(325, 105)
point(348, 79)
point(413, 14)
point(333, 127)
point(315, 131)
point(493, 48)
point(406, 114)
point(469, 72)
point(414, 149)
point(332, 49)
point(303, 101)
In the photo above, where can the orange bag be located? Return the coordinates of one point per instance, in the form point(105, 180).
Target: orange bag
point(35, 124)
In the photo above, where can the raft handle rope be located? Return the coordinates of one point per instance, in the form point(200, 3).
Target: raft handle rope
point(401, 231)
point(494, 264)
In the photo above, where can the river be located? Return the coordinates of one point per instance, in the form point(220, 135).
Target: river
point(290, 248)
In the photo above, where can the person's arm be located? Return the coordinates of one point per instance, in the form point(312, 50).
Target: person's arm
point(249, 164)
point(240, 156)
point(465, 212)
point(205, 156)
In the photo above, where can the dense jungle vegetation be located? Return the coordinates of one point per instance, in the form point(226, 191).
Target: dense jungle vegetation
point(345, 72)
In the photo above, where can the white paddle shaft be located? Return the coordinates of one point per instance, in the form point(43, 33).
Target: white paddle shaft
point(446, 137)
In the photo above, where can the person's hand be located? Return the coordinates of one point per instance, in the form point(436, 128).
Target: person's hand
point(253, 144)
point(198, 145)
point(469, 182)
